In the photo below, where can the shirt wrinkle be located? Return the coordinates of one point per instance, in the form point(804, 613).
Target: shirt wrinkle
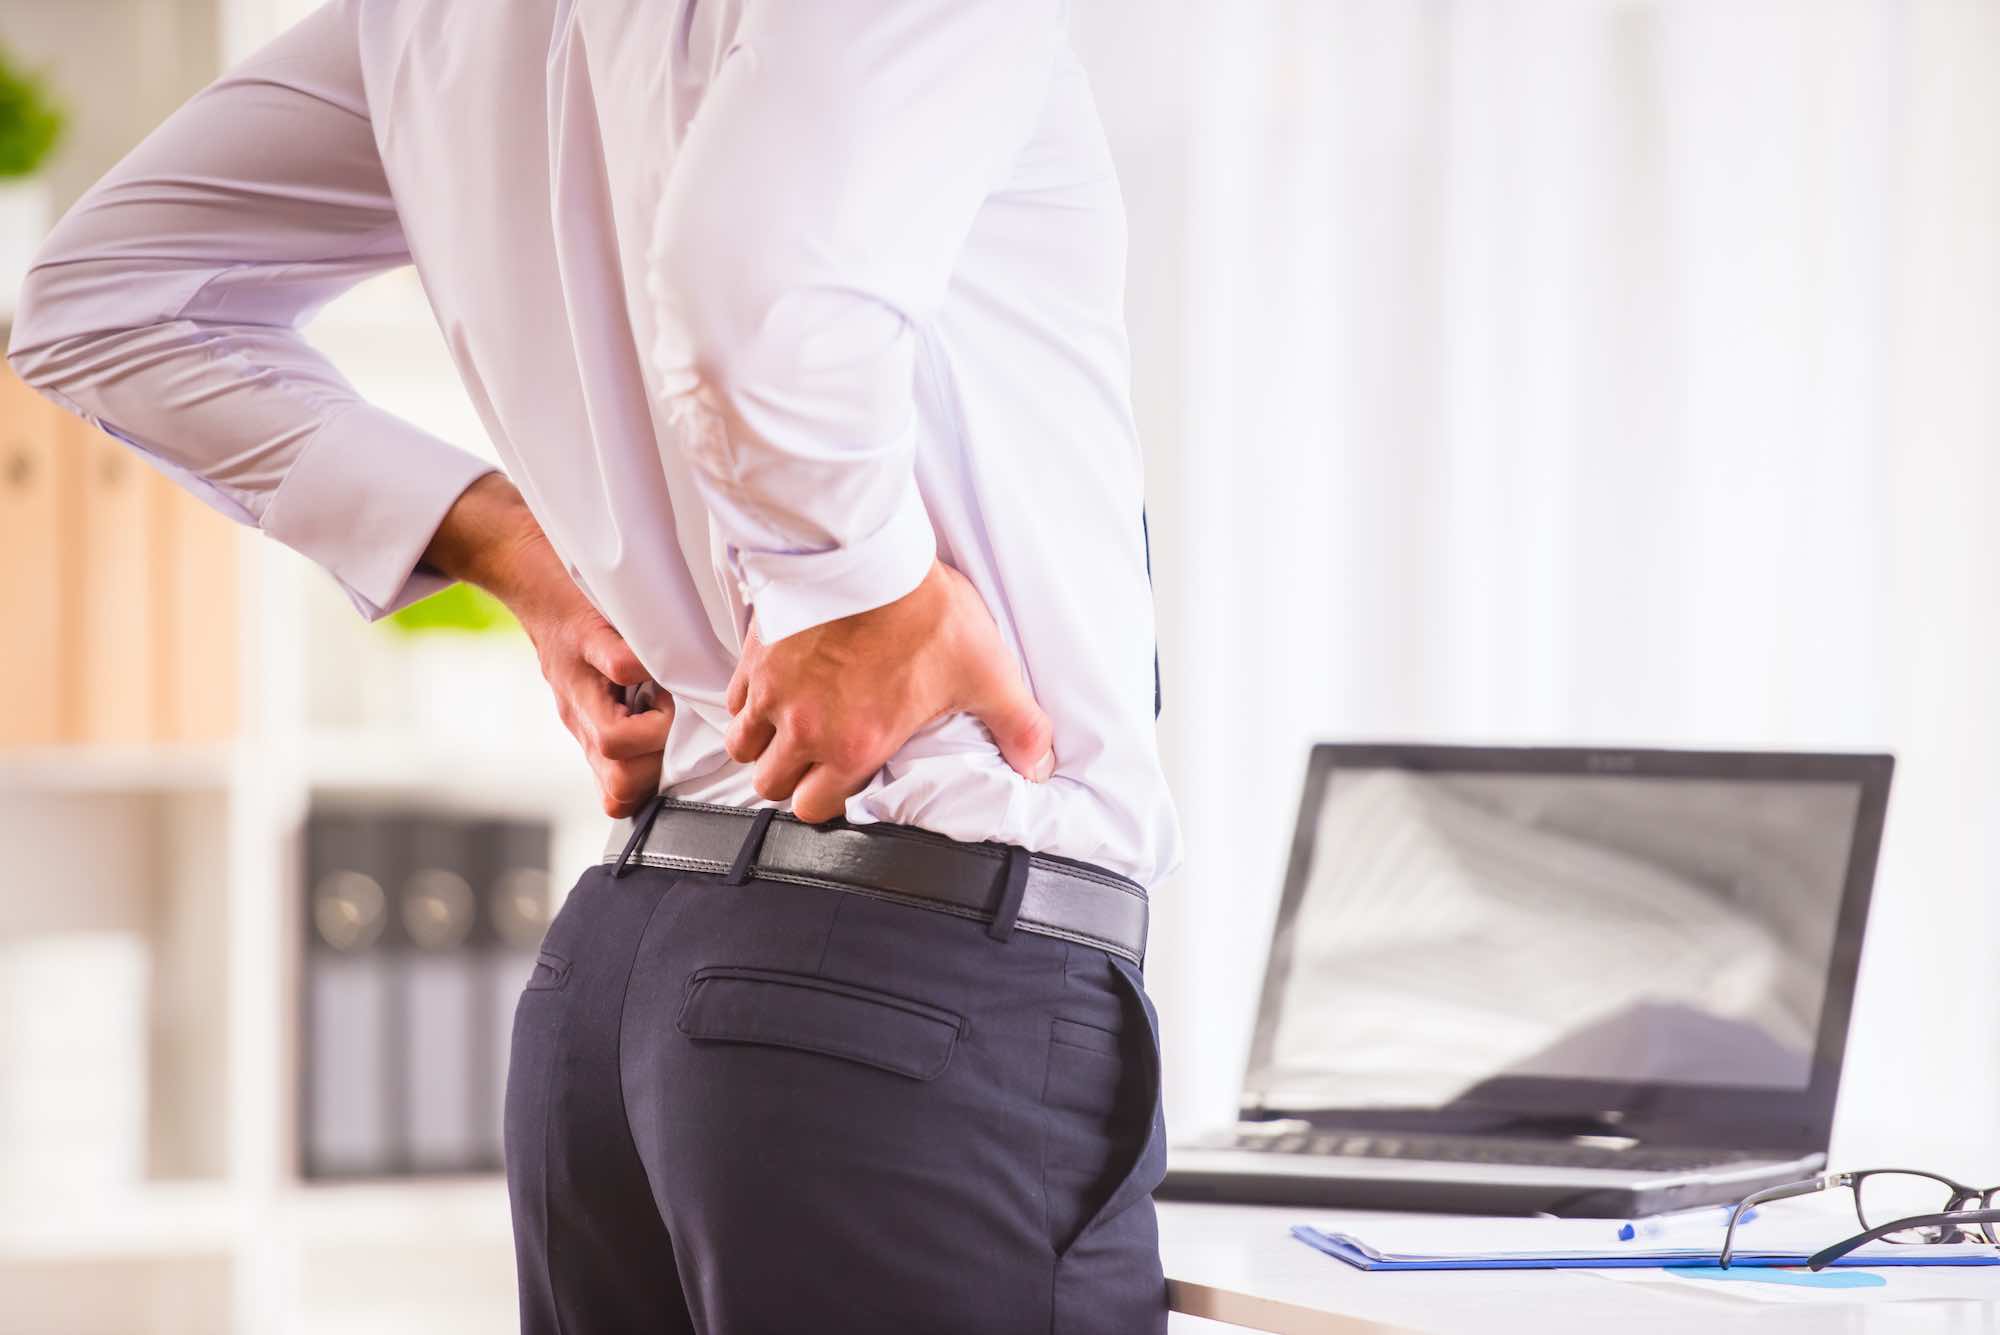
point(700, 307)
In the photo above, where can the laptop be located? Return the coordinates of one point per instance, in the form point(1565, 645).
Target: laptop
point(1595, 983)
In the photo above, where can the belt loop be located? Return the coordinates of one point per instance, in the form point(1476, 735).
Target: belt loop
point(753, 844)
point(1009, 908)
point(641, 828)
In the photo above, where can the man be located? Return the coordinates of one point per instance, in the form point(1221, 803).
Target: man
point(797, 328)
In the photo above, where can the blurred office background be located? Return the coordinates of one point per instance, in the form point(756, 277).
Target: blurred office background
point(1604, 370)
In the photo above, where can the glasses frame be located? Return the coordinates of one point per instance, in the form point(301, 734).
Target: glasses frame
point(1954, 1213)
point(1950, 1219)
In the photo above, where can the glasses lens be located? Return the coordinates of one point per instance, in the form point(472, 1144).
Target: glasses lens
point(1883, 1198)
point(1990, 1201)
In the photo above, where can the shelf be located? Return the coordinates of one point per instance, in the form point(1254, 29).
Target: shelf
point(137, 768)
point(411, 1213)
point(364, 762)
point(164, 1219)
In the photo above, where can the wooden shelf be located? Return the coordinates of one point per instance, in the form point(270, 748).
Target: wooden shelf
point(365, 762)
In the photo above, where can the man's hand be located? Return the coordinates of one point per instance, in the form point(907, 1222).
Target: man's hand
point(821, 711)
point(489, 538)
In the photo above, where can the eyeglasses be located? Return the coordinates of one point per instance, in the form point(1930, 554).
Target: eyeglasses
point(1899, 1205)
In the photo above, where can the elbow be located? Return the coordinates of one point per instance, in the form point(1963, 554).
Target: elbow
point(33, 332)
point(59, 311)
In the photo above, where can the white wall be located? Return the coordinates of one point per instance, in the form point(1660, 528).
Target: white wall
point(1613, 371)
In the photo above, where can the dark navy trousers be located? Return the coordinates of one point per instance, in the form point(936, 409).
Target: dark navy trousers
point(776, 1109)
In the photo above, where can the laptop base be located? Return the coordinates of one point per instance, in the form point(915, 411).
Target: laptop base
point(1325, 1187)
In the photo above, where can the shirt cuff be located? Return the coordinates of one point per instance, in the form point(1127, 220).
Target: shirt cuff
point(363, 500)
point(795, 591)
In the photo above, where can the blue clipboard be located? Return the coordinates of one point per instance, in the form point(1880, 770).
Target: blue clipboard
point(1333, 1244)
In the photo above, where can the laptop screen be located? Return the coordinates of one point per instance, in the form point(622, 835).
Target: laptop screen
point(1452, 933)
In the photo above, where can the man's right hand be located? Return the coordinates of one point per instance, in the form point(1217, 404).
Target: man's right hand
point(821, 711)
point(489, 538)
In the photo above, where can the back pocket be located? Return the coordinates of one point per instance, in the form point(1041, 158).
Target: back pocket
point(1098, 1103)
point(790, 1010)
point(551, 972)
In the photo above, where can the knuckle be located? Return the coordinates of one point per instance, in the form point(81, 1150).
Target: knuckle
point(801, 721)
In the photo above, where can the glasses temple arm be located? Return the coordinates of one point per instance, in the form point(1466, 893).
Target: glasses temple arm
point(1821, 1259)
point(1778, 1193)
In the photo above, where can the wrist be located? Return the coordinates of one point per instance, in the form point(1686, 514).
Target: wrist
point(489, 538)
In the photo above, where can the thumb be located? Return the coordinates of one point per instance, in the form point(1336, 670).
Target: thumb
point(739, 680)
point(604, 649)
point(1018, 724)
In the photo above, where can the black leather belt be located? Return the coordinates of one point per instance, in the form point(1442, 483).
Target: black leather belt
point(1070, 900)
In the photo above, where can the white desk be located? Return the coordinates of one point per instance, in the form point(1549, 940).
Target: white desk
point(1238, 1264)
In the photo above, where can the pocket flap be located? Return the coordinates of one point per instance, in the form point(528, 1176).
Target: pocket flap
point(551, 972)
point(788, 1010)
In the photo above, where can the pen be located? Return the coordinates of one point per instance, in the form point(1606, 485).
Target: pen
point(1656, 1225)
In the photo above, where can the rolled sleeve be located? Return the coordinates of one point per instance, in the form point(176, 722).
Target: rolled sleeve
point(363, 499)
point(797, 591)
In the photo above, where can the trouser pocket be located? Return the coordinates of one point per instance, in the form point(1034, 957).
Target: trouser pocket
point(773, 1008)
point(1106, 1145)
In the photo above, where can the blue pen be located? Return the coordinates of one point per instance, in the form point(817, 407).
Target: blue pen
point(1657, 1225)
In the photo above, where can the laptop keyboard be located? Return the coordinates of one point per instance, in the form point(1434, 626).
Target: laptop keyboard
point(1483, 1150)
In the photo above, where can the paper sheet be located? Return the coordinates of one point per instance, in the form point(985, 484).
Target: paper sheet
point(1698, 1234)
point(1792, 1287)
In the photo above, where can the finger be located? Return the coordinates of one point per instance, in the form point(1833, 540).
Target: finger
point(739, 689)
point(605, 726)
point(749, 733)
point(779, 772)
point(594, 707)
point(627, 785)
point(605, 649)
point(739, 680)
point(578, 691)
point(636, 736)
point(822, 794)
point(1024, 733)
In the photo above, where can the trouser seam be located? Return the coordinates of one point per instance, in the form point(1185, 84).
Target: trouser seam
point(1048, 1224)
point(548, 1151)
point(618, 1044)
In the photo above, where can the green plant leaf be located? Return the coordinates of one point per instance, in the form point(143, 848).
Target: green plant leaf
point(460, 607)
point(31, 120)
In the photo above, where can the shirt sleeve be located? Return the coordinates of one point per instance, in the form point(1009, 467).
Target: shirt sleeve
point(166, 308)
point(807, 233)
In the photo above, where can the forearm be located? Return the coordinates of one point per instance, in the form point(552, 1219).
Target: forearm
point(490, 539)
point(166, 307)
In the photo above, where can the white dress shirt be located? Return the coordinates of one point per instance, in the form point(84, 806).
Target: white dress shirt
point(763, 303)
